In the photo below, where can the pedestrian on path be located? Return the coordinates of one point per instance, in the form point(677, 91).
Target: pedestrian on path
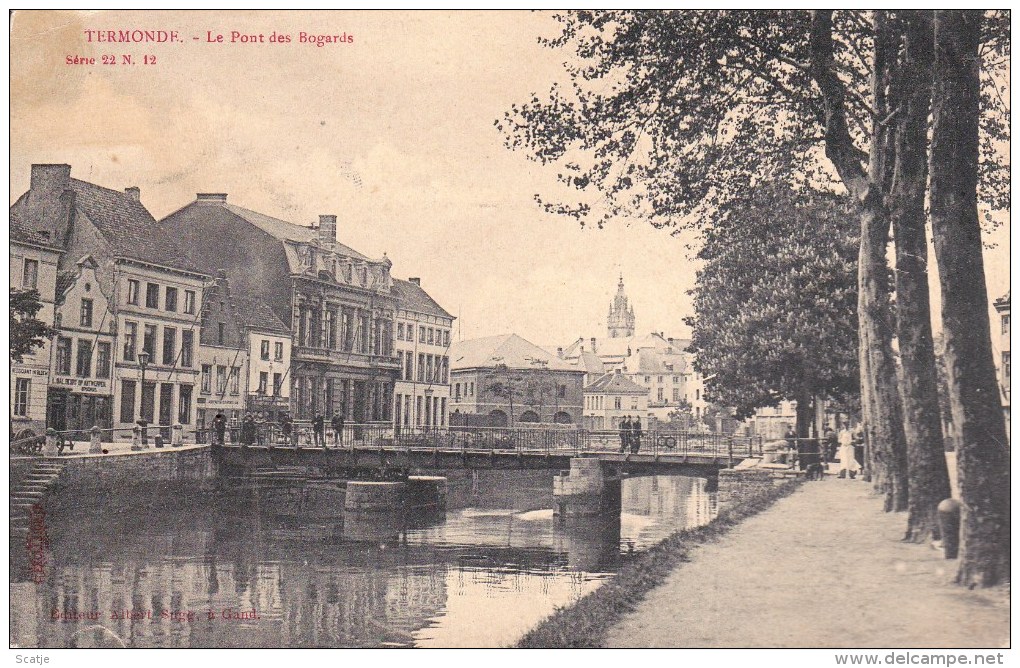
point(219, 429)
point(338, 429)
point(624, 433)
point(847, 463)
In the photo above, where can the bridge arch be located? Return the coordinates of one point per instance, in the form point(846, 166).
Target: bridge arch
point(563, 417)
point(529, 416)
point(498, 418)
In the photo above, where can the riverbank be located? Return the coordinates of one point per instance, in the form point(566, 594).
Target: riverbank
point(824, 567)
point(587, 623)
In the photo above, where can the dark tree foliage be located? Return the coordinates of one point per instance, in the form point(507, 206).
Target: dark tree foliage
point(27, 332)
point(776, 302)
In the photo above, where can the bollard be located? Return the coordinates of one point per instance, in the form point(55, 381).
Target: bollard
point(145, 433)
point(136, 438)
point(95, 445)
point(50, 447)
point(177, 435)
point(158, 440)
point(949, 525)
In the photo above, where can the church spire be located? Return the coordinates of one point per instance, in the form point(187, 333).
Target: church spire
point(621, 314)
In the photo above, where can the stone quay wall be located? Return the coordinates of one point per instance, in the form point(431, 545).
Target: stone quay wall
point(736, 485)
point(190, 467)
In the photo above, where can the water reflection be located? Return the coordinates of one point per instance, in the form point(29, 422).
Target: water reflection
point(246, 569)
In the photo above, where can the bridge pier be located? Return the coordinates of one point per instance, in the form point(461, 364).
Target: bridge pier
point(586, 490)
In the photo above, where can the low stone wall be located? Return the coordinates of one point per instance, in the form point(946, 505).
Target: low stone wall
point(736, 485)
point(188, 467)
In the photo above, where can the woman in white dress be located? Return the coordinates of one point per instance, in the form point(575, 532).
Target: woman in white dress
point(847, 463)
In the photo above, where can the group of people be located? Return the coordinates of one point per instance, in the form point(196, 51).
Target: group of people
point(848, 444)
point(252, 430)
point(630, 434)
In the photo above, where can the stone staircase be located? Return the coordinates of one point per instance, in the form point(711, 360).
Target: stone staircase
point(29, 491)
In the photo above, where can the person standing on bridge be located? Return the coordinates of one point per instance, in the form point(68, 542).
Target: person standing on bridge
point(338, 429)
point(635, 435)
point(248, 430)
point(624, 433)
point(219, 429)
point(319, 430)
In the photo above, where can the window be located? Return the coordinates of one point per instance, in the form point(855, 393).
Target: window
point(429, 373)
point(676, 379)
point(456, 392)
point(1005, 323)
point(676, 394)
point(1005, 366)
point(446, 338)
point(648, 379)
point(149, 342)
point(152, 295)
point(130, 340)
point(400, 360)
point(400, 331)
point(277, 383)
point(472, 389)
point(184, 405)
point(432, 335)
point(170, 302)
point(30, 275)
point(263, 382)
point(127, 401)
point(418, 411)
point(633, 403)
point(660, 379)
point(187, 348)
point(64, 356)
point(264, 349)
point(618, 402)
point(421, 367)
point(235, 379)
point(169, 346)
point(561, 391)
point(221, 333)
point(278, 350)
point(103, 354)
point(442, 412)
point(421, 334)
point(697, 394)
point(221, 379)
point(189, 301)
point(329, 321)
point(22, 389)
point(446, 370)
point(132, 298)
point(409, 370)
point(86, 313)
point(659, 395)
point(206, 378)
point(83, 368)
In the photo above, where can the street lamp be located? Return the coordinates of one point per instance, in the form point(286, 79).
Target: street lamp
point(143, 361)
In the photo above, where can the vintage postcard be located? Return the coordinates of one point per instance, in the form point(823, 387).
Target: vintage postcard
point(493, 329)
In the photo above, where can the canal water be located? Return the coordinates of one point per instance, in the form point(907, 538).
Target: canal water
point(238, 568)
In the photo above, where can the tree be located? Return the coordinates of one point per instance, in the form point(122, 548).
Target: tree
point(982, 451)
point(682, 417)
point(775, 307)
point(27, 331)
point(669, 115)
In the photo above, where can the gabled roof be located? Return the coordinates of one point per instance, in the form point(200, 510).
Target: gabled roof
point(621, 347)
point(411, 297)
point(129, 228)
point(255, 314)
point(21, 234)
point(615, 383)
point(283, 230)
point(652, 361)
point(508, 349)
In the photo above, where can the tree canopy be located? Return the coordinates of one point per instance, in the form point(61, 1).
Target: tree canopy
point(775, 307)
point(27, 331)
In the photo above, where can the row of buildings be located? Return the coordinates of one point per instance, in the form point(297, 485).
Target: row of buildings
point(213, 309)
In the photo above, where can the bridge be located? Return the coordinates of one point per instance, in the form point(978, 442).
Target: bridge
point(381, 450)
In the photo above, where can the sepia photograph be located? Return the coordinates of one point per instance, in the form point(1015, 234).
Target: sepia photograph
point(463, 329)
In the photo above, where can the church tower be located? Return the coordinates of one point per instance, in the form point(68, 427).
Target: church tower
point(621, 315)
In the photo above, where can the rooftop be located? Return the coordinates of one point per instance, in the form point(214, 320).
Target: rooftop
point(509, 349)
point(412, 297)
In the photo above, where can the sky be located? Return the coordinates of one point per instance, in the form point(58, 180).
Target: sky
point(392, 132)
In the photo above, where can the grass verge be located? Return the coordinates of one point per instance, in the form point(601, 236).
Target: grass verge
point(586, 623)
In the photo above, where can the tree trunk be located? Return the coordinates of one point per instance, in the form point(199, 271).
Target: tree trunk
point(928, 478)
point(982, 453)
point(880, 398)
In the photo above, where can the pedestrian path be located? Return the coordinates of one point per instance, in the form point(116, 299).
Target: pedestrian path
point(823, 567)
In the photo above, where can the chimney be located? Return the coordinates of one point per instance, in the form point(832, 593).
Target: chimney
point(50, 202)
point(416, 280)
point(211, 198)
point(593, 345)
point(618, 371)
point(51, 179)
point(327, 230)
point(559, 352)
point(134, 192)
